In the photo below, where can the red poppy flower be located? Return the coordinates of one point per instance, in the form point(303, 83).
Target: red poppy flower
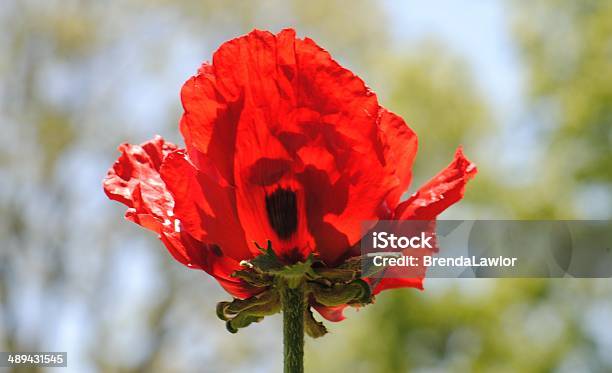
point(282, 144)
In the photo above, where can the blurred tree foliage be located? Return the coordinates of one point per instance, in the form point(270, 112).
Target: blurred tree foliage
point(567, 49)
point(567, 46)
point(75, 76)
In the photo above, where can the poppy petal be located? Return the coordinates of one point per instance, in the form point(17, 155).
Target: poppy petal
point(205, 208)
point(212, 259)
point(209, 122)
point(439, 193)
point(427, 203)
point(270, 100)
point(395, 283)
point(345, 168)
point(135, 181)
point(334, 314)
point(400, 148)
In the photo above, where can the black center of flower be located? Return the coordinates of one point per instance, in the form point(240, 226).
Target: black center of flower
point(282, 212)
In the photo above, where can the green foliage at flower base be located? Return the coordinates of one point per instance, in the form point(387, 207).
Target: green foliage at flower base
point(321, 285)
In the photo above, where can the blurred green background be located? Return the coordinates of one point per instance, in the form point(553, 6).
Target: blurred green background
point(525, 86)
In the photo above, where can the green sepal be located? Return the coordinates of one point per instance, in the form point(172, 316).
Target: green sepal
point(313, 328)
point(356, 264)
point(253, 278)
point(241, 321)
point(241, 313)
point(336, 274)
point(353, 263)
point(267, 261)
point(366, 293)
point(264, 302)
point(221, 306)
point(296, 274)
point(356, 292)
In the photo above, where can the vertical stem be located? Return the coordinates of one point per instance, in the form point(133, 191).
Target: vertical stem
point(293, 328)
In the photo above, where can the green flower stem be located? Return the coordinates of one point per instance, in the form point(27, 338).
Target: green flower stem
point(293, 306)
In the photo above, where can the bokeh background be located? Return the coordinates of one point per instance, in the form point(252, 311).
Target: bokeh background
point(525, 86)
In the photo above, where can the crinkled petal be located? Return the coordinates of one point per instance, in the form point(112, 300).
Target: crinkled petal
point(334, 314)
point(342, 198)
point(426, 204)
point(275, 103)
point(400, 149)
point(135, 181)
point(205, 208)
point(213, 260)
point(209, 122)
point(406, 276)
point(346, 126)
point(439, 193)
point(395, 283)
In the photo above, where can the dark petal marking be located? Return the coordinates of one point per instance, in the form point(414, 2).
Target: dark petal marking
point(282, 212)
